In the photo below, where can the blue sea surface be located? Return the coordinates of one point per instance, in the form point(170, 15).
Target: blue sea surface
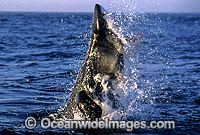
point(41, 53)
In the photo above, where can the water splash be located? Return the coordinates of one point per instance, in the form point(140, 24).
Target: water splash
point(128, 23)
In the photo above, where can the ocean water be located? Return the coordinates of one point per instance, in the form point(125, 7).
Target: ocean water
point(41, 53)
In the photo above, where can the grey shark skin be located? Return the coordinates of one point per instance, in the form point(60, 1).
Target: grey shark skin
point(103, 65)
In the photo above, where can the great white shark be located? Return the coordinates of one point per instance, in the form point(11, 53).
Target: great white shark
point(98, 86)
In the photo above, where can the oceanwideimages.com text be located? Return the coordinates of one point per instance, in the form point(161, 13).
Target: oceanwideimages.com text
point(129, 126)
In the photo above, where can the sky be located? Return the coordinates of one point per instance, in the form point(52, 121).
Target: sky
point(88, 5)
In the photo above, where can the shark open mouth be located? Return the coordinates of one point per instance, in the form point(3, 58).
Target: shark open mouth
point(98, 92)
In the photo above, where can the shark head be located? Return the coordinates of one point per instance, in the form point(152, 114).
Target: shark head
point(105, 43)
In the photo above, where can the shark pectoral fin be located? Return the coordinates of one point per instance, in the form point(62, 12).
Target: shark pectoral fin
point(87, 106)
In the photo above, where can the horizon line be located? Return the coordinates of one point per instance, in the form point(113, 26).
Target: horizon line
point(87, 12)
